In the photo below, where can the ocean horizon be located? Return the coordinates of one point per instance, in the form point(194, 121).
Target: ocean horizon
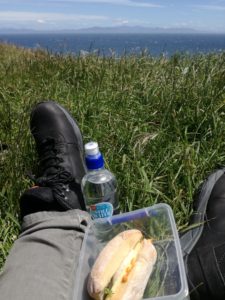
point(119, 44)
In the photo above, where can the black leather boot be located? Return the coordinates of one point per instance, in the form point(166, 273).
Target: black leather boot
point(204, 244)
point(61, 165)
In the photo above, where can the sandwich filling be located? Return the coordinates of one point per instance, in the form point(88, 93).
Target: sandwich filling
point(122, 274)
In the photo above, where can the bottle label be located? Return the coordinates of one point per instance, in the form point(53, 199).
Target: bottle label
point(101, 210)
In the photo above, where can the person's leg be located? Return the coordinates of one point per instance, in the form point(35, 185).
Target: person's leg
point(204, 244)
point(42, 262)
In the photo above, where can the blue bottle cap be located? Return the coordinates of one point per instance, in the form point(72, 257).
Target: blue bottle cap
point(94, 162)
point(94, 159)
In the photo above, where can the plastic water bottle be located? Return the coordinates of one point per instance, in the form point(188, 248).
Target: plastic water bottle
point(99, 185)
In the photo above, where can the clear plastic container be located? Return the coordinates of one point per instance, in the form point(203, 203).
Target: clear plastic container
point(168, 279)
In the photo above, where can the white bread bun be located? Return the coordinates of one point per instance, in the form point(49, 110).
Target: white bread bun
point(133, 284)
point(109, 260)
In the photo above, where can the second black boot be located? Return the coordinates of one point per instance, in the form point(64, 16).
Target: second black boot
point(204, 244)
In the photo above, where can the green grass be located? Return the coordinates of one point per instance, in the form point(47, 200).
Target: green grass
point(160, 123)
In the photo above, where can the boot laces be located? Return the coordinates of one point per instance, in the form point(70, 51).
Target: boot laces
point(54, 175)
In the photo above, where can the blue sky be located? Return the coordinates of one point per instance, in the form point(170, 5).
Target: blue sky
point(207, 15)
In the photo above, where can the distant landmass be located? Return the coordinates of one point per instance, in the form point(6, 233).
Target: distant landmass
point(114, 29)
point(134, 29)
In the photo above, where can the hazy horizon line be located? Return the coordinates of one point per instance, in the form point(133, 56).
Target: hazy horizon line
point(92, 29)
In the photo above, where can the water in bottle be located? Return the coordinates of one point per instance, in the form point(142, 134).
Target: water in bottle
point(99, 185)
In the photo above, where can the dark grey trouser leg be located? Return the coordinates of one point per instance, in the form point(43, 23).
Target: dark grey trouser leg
point(42, 262)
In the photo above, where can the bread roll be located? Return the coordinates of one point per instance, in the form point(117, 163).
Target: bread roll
point(133, 284)
point(109, 260)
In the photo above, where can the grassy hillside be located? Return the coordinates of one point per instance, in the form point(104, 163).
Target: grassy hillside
point(160, 123)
